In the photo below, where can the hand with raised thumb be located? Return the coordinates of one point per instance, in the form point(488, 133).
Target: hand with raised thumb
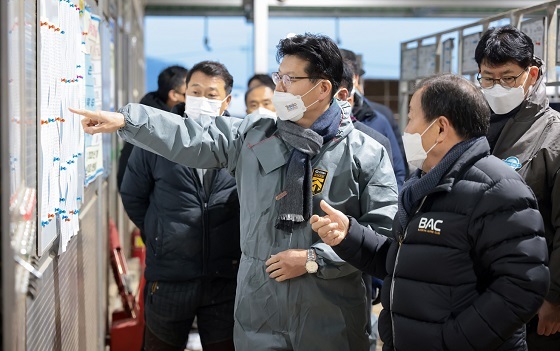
point(100, 121)
point(332, 227)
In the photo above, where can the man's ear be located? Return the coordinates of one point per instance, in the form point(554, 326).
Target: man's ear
point(446, 129)
point(225, 104)
point(342, 94)
point(326, 89)
point(533, 74)
point(172, 97)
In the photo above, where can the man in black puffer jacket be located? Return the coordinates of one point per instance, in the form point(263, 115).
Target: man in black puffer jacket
point(466, 267)
point(189, 219)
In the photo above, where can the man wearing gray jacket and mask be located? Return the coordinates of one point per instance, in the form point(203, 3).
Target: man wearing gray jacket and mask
point(294, 292)
point(525, 133)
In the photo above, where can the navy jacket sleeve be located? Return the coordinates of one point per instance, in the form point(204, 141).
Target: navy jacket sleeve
point(137, 185)
point(365, 249)
point(123, 161)
point(381, 124)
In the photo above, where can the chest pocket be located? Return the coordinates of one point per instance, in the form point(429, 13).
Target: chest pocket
point(272, 153)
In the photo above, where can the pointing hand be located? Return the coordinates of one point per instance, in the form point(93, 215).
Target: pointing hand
point(100, 121)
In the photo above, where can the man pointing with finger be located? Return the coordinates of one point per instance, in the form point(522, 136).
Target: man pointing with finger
point(293, 291)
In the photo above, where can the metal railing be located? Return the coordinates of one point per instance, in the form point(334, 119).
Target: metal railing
point(433, 54)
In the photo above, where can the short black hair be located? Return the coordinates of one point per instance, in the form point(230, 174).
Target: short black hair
point(170, 78)
point(501, 45)
point(213, 69)
point(351, 56)
point(321, 53)
point(459, 100)
point(263, 79)
point(347, 80)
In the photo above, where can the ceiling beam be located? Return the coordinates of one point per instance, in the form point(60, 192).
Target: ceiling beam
point(338, 8)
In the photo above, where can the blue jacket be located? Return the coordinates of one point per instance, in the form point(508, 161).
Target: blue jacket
point(379, 122)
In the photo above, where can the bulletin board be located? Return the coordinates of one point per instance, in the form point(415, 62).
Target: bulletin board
point(469, 43)
point(536, 30)
point(409, 63)
point(447, 56)
point(426, 61)
point(69, 71)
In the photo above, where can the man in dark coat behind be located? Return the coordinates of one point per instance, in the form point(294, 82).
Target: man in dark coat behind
point(171, 91)
point(189, 219)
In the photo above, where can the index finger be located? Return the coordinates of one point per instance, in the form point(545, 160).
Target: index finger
point(81, 112)
point(88, 116)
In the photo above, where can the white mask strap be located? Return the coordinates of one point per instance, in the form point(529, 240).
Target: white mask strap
point(425, 130)
point(313, 88)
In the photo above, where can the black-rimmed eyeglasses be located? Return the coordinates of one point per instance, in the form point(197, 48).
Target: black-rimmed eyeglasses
point(507, 82)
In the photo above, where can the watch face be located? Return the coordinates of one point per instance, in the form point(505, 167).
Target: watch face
point(311, 266)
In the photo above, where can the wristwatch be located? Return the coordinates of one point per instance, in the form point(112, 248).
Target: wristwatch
point(311, 265)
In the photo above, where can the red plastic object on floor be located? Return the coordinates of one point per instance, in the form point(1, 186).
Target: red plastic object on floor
point(127, 327)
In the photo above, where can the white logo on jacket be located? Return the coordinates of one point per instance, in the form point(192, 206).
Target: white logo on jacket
point(429, 225)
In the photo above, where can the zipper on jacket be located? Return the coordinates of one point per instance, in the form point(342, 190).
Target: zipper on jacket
point(205, 239)
point(204, 198)
point(154, 288)
point(400, 238)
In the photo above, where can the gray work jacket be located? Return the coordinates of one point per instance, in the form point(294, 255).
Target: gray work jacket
point(352, 173)
point(530, 144)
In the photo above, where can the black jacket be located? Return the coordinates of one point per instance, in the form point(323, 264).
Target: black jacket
point(188, 233)
point(150, 99)
point(469, 271)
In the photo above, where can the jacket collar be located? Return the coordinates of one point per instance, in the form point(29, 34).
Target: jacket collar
point(362, 110)
point(477, 151)
point(536, 102)
point(152, 99)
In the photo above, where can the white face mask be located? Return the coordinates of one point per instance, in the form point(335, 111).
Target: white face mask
point(345, 107)
point(265, 112)
point(413, 148)
point(502, 100)
point(195, 106)
point(290, 107)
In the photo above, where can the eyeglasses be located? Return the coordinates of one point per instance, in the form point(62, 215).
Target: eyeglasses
point(286, 79)
point(506, 82)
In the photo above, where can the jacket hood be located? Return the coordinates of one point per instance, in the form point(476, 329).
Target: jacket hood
point(346, 124)
point(535, 103)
